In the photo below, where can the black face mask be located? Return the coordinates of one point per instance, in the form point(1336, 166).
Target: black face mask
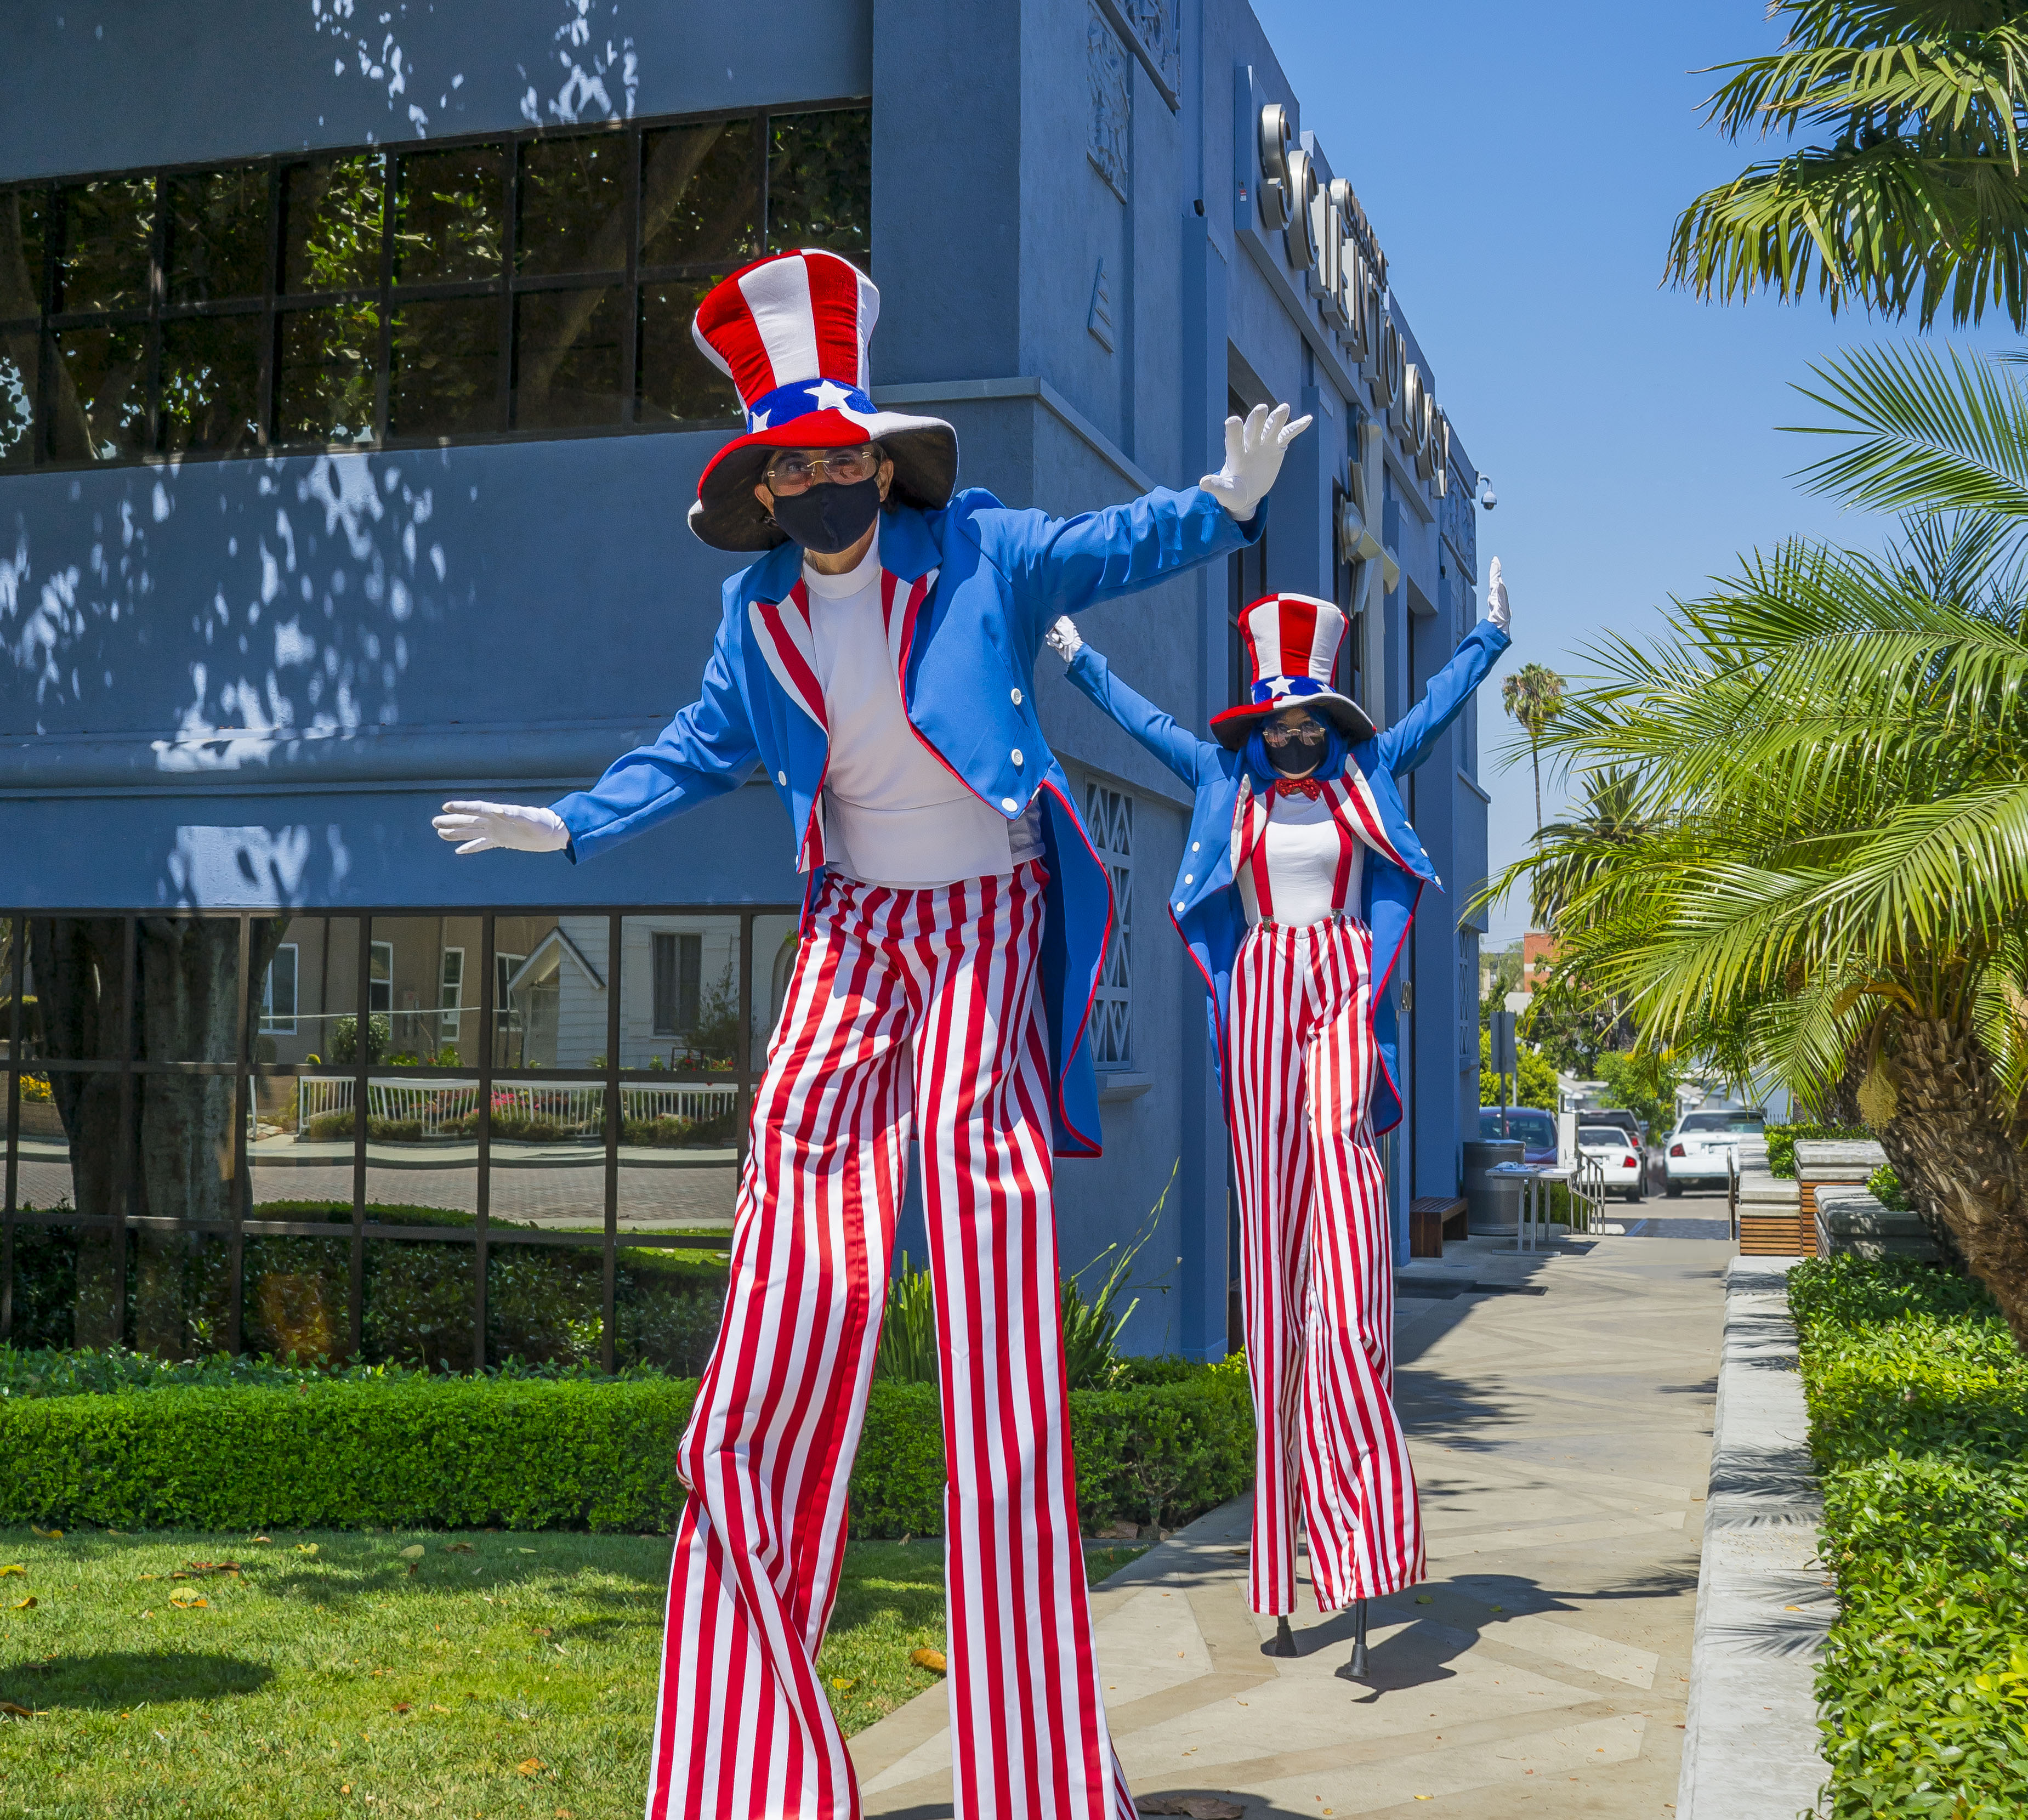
point(829, 518)
point(1297, 757)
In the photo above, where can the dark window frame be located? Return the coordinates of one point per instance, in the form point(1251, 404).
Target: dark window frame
point(272, 304)
point(748, 1062)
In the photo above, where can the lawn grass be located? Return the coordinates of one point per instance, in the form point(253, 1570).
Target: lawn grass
point(507, 1675)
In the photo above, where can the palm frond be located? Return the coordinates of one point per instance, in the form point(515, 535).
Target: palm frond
point(1925, 433)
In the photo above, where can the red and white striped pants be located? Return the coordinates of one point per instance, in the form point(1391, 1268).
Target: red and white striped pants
point(1317, 1275)
point(907, 1008)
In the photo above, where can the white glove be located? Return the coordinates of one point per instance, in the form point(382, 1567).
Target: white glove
point(1063, 639)
point(1253, 451)
point(1496, 597)
point(480, 825)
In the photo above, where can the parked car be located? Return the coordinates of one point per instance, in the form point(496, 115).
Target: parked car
point(1536, 1129)
point(1700, 1152)
point(1623, 1161)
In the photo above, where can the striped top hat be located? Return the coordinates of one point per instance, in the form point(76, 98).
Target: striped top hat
point(791, 331)
point(1292, 640)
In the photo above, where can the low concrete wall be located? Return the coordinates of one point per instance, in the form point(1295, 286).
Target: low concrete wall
point(1852, 1223)
point(1750, 1748)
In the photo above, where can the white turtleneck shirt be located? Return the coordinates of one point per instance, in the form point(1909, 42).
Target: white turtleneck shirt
point(893, 813)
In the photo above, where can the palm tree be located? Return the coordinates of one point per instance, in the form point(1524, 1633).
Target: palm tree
point(1534, 694)
point(1831, 859)
point(1920, 194)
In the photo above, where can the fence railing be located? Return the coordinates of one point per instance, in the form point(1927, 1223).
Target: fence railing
point(440, 1108)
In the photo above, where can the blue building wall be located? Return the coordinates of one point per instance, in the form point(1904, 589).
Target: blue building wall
point(250, 682)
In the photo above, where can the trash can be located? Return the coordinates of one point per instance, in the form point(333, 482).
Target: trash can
point(1492, 1202)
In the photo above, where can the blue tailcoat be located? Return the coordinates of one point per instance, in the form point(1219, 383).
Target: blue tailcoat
point(1204, 902)
point(995, 580)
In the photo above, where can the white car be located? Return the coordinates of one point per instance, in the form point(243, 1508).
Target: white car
point(1625, 1166)
point(1699, 1152)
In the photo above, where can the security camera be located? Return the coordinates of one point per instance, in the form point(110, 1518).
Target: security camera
point(1487, 497)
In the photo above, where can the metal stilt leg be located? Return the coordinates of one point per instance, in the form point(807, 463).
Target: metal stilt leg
point(1358, 1639)
point(1285, 1638)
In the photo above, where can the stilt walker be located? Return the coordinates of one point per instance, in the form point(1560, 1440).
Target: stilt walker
point(1295, 898)
point(876, 664)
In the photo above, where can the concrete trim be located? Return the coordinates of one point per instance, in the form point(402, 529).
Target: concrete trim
point(953, 391)
point(1750, 1749)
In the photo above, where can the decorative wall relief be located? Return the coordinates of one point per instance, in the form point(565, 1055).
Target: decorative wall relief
point(1156, 25)
point(1112, 102)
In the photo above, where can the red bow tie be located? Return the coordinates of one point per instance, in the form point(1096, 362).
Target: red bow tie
point(1307, 786)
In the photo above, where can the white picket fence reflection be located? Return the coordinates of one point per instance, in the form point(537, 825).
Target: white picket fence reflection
point(439, 1108)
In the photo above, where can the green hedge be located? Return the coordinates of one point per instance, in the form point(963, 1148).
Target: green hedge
point(1919, 1420)
point(414, 1452)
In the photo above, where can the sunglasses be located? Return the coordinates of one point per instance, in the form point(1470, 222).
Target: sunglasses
point(1309, 732)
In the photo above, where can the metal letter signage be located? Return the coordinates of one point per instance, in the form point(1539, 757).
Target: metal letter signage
point(1300, 238)
point(1326, 237)
point(1275, 137)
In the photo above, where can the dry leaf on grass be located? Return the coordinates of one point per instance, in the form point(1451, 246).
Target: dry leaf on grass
point(16, 1568)
point(15, 1712)
point(401, 1708)
point(524, 1551)
point(264, 1538)
point(306, 1547)
point(46, 1535)
point(843, 1686)
point(28, 1604)
point(457, 1548)
point(415, 1552)
point(184, 1601)
point(529, 1766)
point(932, 1659)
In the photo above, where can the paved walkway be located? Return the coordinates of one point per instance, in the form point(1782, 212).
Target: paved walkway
point(1561, 1428)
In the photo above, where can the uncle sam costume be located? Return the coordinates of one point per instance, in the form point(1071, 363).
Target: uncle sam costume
point(957, 1008)
point(1295, 898)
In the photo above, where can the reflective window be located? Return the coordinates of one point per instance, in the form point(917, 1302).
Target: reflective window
point(548, 1194)
point(525, 285)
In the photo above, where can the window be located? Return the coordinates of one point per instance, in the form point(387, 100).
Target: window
point(450, 995)
point(506, 1013)
point(679, 980)
point(473, 1236)
point(530, 284)
point(1109, 816)
point(1246, 581)
point(278, 994)
point(380, 978)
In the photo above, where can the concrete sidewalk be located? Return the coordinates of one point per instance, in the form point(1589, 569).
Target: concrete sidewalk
point(1561, 1434)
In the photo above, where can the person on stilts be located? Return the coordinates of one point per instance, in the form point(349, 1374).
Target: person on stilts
point(876, 663)
point(1295, 898)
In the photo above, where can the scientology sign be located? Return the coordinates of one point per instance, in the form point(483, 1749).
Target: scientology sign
point(1327, 239)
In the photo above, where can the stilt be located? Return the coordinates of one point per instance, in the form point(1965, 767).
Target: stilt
point(1359, 1640)
point(1285, 1638)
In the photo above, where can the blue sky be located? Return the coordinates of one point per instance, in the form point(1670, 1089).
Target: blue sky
point(1523, 167)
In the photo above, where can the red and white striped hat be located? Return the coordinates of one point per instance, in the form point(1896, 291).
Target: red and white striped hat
point(1292, 640)
point(790, 331)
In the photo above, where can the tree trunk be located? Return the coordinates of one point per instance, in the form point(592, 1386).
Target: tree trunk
point(1950, 1144)
point(182, 1154)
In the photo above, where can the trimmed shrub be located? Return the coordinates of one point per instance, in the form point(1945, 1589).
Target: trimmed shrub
point(1782, 1143)
point(392, 1450)
point(1918, 1420)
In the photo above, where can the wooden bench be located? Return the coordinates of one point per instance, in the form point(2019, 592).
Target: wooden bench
point(1432, 1219)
